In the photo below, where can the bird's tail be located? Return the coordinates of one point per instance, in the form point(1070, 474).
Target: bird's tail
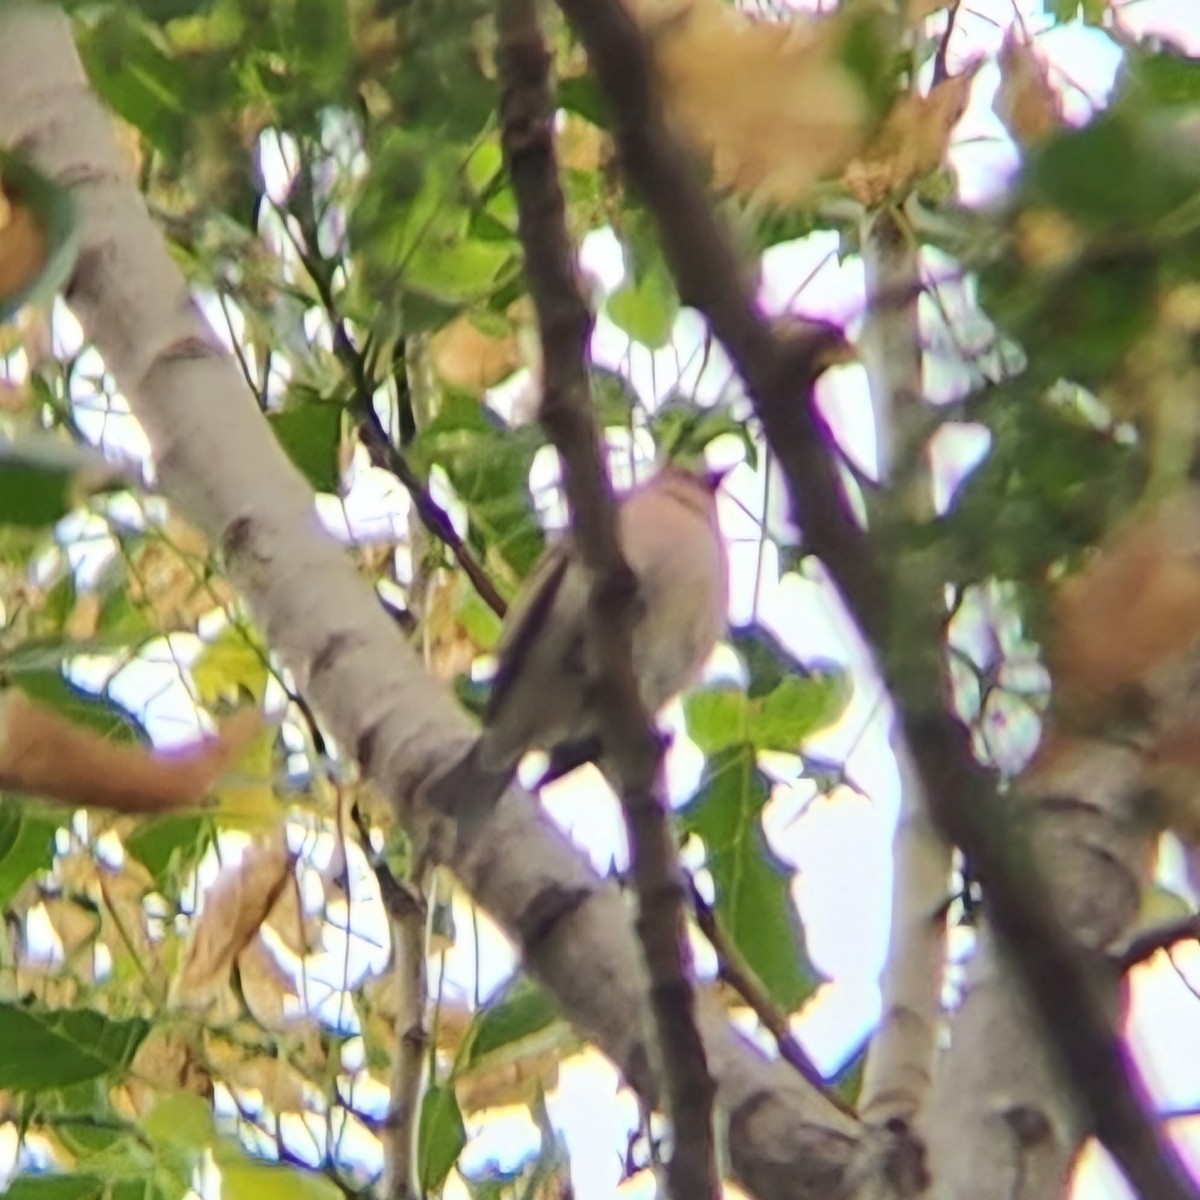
point(468, 792)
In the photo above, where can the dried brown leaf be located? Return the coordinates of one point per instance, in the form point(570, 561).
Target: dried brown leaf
point(269, 989)
point(1026, 103)
point(165, 1062)
point(235, 907)
point(470, 359)
point(518, 1081)
point(912, 142)
point(23, 244)
point(46, 754)
point(1143, 581)
point(770, 100)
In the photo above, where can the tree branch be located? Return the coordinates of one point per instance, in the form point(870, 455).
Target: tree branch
point(219, 463)
point(384, 453)
point(899, 1062)
point(627, 731)
point(779, 373)
point(735, 971)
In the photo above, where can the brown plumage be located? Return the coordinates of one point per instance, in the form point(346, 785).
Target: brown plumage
point(671, 540)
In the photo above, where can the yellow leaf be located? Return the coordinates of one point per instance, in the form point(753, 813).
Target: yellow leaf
point(267, 987)
point(181, 1119)
point(449, 648)
point(471, 360)
point(229, 664)
point(246, 799)
point(75, 925)
point(916, 11)
point(281, 1086)
point(244, 1179)
point(169, 575)
point(501, 1084)
point(1143, 581)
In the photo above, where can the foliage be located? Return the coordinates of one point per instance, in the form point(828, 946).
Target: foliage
point(330, 177)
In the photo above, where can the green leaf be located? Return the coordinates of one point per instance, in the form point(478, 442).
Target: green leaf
point(42, 1049)
point(39, 240)
point(456, 269)
point(1166, 79)
point(1049, 488)
point(479, 621)
point(42, 478)
point(717, 717)
point(242, 1178)
point(797, 709)
point(441, 1136)
point(97, 1128)
point(583, 96)
point(524, 1011)
point(182, 1122)
point(56, 1187)
point(26, 845)
point(1075, 173)
point(768, 661)
point(684, 429)
point(753, 896)
point(646, 308)
point(311, 434)
point(614, 399)
point(488, 466)
point(139, 81)
point(169, 846)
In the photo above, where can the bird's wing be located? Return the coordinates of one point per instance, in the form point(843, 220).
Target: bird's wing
point(525, 619)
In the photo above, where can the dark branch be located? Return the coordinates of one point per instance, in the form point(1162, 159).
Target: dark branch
point(1161, 937)
point(779, 371)
point(383, 451)
point(565, 325)
point(734, 970)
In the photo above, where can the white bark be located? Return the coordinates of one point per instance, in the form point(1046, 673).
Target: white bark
point(1000, 1125)
point(899, 1065)
point(900, 1057)
point(220, 465)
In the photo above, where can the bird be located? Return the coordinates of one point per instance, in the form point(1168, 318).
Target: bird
point(670, 537)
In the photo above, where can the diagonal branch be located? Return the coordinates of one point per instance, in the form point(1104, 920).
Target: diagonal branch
point(565, 323)
point(220, 465)
point(384, 452)
point(779, 373)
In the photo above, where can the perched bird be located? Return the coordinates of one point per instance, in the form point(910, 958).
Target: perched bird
point(540, 695)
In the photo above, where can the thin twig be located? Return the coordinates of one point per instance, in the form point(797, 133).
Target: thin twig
point(383, 451)
point(941, 60)
point(735, 971)
point(565, 324)
point(407, 912)
point(779, 373)
point(1161, 937)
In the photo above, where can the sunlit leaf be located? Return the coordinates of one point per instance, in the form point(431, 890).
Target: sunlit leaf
point(311, 435)
point(41, 1049)
point(753, 897)
point(42, 479)
point(26, 844)
point(441, 1136)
